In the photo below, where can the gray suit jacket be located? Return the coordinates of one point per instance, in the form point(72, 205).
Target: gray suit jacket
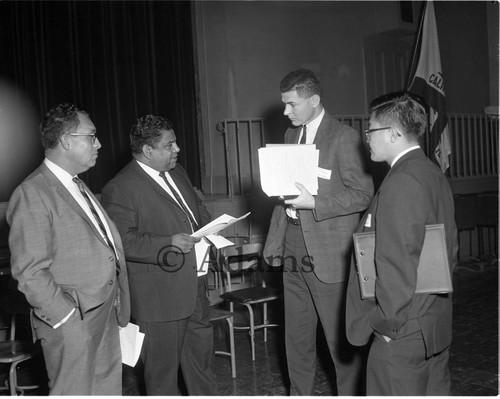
point(328, 228)
point(58, 257)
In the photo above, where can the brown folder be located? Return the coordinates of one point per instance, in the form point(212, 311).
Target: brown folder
point(433, 273)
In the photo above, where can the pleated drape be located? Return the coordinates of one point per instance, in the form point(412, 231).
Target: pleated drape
point(118, 60)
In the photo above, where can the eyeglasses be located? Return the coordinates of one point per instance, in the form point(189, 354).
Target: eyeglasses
point(93, 137)
point(368, 132)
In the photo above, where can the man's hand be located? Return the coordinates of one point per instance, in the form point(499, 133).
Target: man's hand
point(184, 242)
point(305, 200)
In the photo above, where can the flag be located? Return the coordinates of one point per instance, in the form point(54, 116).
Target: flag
point(428, 83)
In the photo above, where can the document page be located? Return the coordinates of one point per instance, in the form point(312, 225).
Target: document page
point(283, 165)
point(217, 225)
point(131, 340)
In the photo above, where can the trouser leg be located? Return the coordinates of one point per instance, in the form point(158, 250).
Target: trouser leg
point(161, 354)
point(300, 317)
point(198, 351)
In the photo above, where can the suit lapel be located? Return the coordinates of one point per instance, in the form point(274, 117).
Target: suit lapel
point(144, 177)
point(179, 182)
point(323, 129)
point(68, 198)
point(186, 192)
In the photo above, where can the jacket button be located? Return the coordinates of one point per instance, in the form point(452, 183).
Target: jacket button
point(110, 282)
point(395, 330)
point(111, 259)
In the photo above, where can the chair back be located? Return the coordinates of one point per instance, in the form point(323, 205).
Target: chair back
point(237, 258)
point(240, 265)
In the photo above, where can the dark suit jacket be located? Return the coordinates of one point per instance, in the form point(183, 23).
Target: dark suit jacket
point(147, 217)
point(328, 228)
point(415, 193)
point(57, 256)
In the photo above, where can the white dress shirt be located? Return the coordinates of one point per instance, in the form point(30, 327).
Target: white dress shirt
point(155, 175)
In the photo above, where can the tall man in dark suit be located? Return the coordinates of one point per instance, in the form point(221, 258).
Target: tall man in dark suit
point(68, 259)
point(156, 210)
point(411, 332)
point(313, 236)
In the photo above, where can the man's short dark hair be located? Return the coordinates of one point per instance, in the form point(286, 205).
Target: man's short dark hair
point(403, 110)
point(148, 130)
point(303, 81)
point(59, 120)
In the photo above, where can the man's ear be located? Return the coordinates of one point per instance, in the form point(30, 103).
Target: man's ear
point(64, 140)
point(146, 150)
point(316, 100)
point(395, 133)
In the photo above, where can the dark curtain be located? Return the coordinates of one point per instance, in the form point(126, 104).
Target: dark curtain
point(118, 60)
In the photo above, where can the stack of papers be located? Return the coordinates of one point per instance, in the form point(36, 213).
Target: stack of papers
point(282, 165)
point(209, 235)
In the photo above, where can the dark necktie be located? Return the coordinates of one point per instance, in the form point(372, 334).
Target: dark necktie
point(304, 133)
point(179, 200)
point(79, 183)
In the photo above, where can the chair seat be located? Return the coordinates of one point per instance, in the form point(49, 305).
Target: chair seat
point(252, 294)
point(14, 351)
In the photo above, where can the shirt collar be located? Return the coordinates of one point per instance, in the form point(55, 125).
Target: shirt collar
point(149, 170)
point(403, 153)
point(314, 124)
point(64, 177)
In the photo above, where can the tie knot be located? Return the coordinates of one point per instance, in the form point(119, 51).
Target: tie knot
point(78, 182)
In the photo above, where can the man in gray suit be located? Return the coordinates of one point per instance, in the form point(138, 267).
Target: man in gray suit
point(67, 257)
point(312, 235)
point(156, 210)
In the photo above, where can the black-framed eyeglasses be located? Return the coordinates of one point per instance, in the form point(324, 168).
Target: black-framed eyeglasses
point(93, 137)
point(368, 132)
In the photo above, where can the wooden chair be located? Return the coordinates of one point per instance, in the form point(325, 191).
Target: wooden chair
point(242, 263)
point(14, 352)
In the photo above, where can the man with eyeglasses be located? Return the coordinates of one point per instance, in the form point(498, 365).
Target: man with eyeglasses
point(311, 235)
point(68, 260)
point(410, 333)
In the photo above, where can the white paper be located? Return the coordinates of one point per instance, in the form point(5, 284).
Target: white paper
point(324, 173)
point(219, 241)
point(202, 260)
point(131, 340)
point(281, 166)
point(217, 225)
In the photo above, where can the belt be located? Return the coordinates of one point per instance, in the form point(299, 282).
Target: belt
point(295, 222)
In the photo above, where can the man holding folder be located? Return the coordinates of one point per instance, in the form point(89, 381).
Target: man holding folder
point(410, 333)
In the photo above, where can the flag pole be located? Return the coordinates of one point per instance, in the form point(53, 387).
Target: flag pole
point(417, 48)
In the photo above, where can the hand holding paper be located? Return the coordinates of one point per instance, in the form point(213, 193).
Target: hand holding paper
point(304, 201)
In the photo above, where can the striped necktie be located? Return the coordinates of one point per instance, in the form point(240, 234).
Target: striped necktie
point(79, 183)
point(178, 198)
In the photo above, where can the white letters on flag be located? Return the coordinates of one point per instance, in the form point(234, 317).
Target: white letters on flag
point(428, 82)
